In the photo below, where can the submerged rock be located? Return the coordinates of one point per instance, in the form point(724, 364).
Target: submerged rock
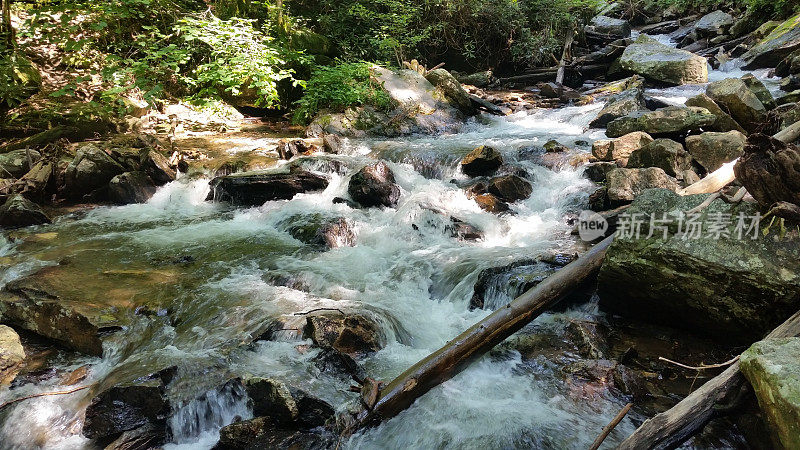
point(256, 188)
point(711, 150)
point(491, 203)
point(621, 147)
point(624, 185)
point(707, 282)
point(659, 62)
point(131, 187)
point(482, 161)
point(12, 355)
point(18, 212)
point(669, 121)
point(262, 433)
point(347, 333)
point(496, 286)
point(374, 185)
point(319, 231)
point(743, 105)
point(662, 153)
point(778, 44)
point(772, 367)
point(510, 188)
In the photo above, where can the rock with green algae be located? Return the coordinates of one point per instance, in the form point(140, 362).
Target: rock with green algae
point(728, 288)
point(659, 62)
point(783, 40)
point(773, 368)
point(669, 121)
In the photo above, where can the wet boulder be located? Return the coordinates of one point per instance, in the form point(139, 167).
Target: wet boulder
point(662, 153)
point(482, 161)
point(669, 121)
point(776, 46)
point(659, 62)
point(90, 170)
point(724, 122)
point(17, 163)
point(772, 367)
point(256, 188)
point(271, 398)
point(713, 24)
point(743, 105)
point(621, 147)
point(770, 170)
point(131, 187)
point(610, 27)
point(262, 432)
point(128, 406)
point(332, 143)
point(496, 286)
point(320, 231)
point(451, 89)
point(510, 188)
point(156, 166)
point(619, 105)
point(12, 355)
point(347, 333)
point(144, 437)
point(723, 279)
point(374, 185)
point(790, 65)
point(597, 171)
point(624, 185)
point(553, 146)
point(18, 212)
point(490, 203)
point(289, 148)
point(761, 92)
point(711, 150)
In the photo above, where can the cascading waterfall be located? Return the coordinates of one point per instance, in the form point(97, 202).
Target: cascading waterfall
point(214, 268)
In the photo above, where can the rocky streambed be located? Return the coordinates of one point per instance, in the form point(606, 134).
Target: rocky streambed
point(246, 280)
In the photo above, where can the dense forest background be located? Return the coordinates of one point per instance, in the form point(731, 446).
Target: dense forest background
point(281, 55)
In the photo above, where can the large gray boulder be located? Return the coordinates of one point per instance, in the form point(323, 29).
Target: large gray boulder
point(621, 147)
point(256, 188)
point(743, 105)
point(713, 24)
point(716, 284)
point(624, 185)
point(669, 121)
point(761, 92)
point(711, 150)
point(451, 89)
point(91, 169)
point(18, 212)
point(772, 367)
point(15, 164)
point(665, 154)
point(12, 355)
point(131, 187)
point(374, 185)
point(776, 46)
point(659, 62)
point(724, 121)
point(619, 105)
point(611, 27)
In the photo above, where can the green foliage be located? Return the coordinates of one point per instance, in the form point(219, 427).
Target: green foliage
point(339, 87)
point(19, 79)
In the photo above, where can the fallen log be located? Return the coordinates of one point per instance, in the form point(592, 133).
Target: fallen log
point(717, 396)
point(40, 139)
point(724, 175)
point(470, 345)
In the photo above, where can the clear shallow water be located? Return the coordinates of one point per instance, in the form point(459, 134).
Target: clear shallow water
point(207, 272)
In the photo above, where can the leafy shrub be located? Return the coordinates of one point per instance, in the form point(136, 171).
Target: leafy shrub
point(19, 79)
point(339, 87)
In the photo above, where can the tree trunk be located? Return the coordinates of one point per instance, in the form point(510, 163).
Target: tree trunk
point(470, 345)
point(566, 56)
point(6, 30)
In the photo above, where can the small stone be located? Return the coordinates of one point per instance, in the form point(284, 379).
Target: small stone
point(482, 161)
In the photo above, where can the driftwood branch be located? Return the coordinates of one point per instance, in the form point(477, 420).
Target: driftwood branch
point(672, 427)
point(43, 394)
point(610, 427)
point(470, 345)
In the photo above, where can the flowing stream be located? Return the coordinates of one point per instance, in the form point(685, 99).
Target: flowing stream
point(201, 277)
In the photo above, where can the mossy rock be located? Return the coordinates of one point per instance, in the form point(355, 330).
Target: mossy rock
point(773, 368)
point(782, 41)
